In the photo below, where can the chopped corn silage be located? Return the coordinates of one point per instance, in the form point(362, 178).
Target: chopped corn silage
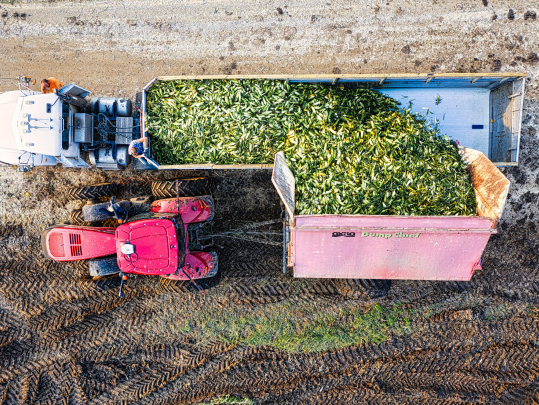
point(352, 151)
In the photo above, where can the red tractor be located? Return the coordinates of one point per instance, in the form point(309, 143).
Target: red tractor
point(151, 243)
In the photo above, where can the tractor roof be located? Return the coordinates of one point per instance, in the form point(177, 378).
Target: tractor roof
point(156, 246)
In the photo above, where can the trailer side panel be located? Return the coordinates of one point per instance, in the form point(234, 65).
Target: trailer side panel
point(374, 247)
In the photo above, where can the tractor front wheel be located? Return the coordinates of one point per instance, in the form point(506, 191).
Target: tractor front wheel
point(215, 268)
point(76, 218)
point(93, 213)
point(186, 187)
point(103, 267)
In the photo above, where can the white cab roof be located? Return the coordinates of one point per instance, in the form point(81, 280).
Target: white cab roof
point(43, 134)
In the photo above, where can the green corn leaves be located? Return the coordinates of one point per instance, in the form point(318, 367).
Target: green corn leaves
point(244, 121)
point(393, 164)
point(352, 150)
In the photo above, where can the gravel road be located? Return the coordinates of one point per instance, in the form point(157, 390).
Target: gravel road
point(115, 47)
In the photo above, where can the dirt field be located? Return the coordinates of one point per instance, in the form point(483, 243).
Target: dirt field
point(258, 335)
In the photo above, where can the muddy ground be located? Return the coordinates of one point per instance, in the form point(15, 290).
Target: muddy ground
point(258, 333)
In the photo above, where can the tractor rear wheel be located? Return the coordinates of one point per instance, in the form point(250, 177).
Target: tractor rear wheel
point(93, 191)
point(191, 187)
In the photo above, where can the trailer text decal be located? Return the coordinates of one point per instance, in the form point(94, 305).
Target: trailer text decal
point(389, 235)
point(345, 234)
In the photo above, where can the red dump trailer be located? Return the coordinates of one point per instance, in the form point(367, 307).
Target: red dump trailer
point(393, 247)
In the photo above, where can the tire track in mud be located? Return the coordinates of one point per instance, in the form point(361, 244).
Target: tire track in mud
point(62, 334)
point(371, 372)
point(433, 361)
point(250, 260)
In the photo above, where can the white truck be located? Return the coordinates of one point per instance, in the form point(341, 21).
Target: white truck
point(482, 111)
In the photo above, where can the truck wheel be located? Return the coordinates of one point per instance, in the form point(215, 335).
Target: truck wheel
point(138, 100)
point(187, 187)
point(103, 267)
point(76, 218)
point(93, 191)
point(92, 213)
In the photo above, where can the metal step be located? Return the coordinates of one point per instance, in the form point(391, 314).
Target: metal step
point(73, 162)
point(145, 163)
point(108, 166)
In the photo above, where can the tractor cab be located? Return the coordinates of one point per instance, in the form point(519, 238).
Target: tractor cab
point(154, 245)
point(158, 244)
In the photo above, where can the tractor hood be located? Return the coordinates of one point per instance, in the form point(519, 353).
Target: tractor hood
point(31, 121)
point(155, 244)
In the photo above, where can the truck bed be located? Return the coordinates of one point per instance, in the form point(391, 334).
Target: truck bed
point(482, 111)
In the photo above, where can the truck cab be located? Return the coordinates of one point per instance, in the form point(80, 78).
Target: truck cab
point(57, 128)
point(32, 129)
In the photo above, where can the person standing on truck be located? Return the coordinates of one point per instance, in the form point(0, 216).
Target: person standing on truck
point(136, 148)
point(50, 84)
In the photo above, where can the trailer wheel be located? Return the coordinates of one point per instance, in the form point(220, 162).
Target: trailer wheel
point(76, 218)
point(103, 267)
point(92, 213)
point(93, 191)
point(187, 187)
